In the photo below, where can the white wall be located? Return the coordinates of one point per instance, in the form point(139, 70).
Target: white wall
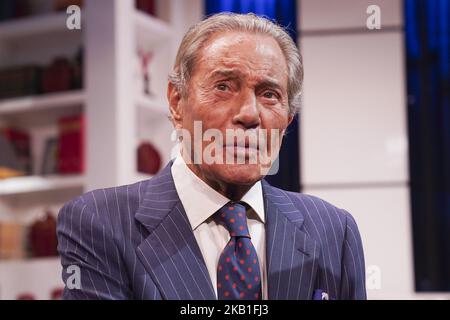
point(354, 132)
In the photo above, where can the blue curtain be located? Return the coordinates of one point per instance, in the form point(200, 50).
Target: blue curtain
point(427, 34)
point(284, 13)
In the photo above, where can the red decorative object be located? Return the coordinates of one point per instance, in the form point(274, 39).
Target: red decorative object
point(26, 296)
point(71, 144)
point(57, 76)
point(149, 160)
point(56, 294)
point(145, 57)
point(43, 237)
point(147, 6)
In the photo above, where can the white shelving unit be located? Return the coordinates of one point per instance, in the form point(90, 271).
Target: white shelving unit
point(118, 115)
point(152, 105)
point(150, 30)
point(41, 103)
point(31, 184)
point(119, 96)
point(26, 198)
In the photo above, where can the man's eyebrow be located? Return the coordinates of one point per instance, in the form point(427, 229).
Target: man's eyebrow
point(269, 83)
point(227, 73)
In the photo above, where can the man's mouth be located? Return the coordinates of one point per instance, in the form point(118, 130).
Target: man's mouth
point(243, 150)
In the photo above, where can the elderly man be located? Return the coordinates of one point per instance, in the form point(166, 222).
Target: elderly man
point(208, 226)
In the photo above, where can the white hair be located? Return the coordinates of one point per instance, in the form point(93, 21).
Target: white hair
point(196, 37)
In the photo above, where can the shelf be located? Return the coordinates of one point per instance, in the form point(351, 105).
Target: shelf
point(33, 25)
point(150, 30)
point(29, 184)
point(42, 102)
point(38, 276)
point(29, 261)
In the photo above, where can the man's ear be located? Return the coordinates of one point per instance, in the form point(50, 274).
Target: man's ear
point(176, 111)
point(290, 118)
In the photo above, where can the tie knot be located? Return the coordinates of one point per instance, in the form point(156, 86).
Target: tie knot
point(234, 216)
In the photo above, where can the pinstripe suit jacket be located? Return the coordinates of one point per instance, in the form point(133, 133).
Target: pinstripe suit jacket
point(135, 242)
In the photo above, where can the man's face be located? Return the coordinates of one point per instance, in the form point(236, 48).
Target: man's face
point(239, 82)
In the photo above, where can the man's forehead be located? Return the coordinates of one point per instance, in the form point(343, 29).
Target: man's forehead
point(222, 42)
point(242, 54)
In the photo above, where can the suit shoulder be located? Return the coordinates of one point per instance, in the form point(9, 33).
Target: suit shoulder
point(124, 193)
point(108, 201)
point(317, 210)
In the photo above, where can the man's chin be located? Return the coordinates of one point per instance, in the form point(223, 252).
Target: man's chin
point(243, 174)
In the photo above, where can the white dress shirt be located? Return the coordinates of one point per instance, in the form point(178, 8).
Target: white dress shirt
point(200, 202)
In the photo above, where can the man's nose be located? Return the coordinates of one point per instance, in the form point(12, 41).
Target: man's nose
point(248, 112)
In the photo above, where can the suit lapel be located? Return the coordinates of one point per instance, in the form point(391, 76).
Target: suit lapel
point(171, 255)
point(292, 255)
point(170, 252)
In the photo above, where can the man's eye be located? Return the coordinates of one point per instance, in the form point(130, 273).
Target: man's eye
point(222, 87)
point(269, 95)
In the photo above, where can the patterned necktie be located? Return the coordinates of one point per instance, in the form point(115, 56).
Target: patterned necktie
point(238, 275)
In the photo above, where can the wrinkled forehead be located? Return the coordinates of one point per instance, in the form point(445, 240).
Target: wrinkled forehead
point(245, 53)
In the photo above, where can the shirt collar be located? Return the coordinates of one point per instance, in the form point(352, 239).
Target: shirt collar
point(191, 188)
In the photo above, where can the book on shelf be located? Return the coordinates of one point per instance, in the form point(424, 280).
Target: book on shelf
point(13, 9)
point(11, 241)
point(62, 74)
point(57, 76)
point(77, 69)
point(19, 142)
point(9, 161)
point(20, 81)
point(6, 172)
point(50, 158)
point(71, 144)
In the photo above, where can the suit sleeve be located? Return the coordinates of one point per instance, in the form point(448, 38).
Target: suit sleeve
point(91, 267)
point(353, 275)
